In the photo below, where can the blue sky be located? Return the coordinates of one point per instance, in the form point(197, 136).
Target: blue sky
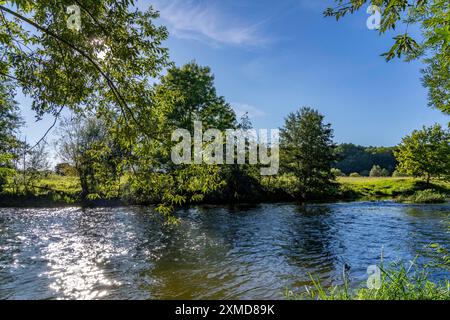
point(271, 57)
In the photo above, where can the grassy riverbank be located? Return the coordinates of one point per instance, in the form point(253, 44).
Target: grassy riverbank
point(388, 187)
point(394, 283)
point(397, 281)
point(55, 190)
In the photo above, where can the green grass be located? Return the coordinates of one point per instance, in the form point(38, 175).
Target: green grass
point(69, 185)
point(47, 191)
point(363, 188)
point(387, 187)
point(55, 189)
point(398, 282)
point(424, 196)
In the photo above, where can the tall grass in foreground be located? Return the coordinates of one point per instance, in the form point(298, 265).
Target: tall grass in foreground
point(398, 282)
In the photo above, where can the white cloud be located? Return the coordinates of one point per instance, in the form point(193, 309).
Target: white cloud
point(242, 108)
point(203, 21)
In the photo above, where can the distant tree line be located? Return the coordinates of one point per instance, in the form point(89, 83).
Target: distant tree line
point(358, 159)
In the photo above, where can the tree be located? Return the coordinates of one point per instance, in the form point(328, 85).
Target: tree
point(337, 172)
point(425, 153)
point(398, 174)
point(376, 171)
point(107, 68)
point(432, 17)
point(185, 94)
point(36, 165)
point(307, 151)
point(10, 122)
point(6, 170)
point(385, 172)
point(87, 145)
point(241, 180)
point(65, 169)
point(195, 98)
point(353, 158)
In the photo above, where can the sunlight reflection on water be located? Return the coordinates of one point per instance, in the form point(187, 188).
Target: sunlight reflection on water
point(215, 252)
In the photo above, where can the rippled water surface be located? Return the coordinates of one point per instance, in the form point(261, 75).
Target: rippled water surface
point(214, 253)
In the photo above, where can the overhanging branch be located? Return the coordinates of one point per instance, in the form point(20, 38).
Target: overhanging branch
point(109, 81)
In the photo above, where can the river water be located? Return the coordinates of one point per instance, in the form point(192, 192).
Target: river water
point(215, 252)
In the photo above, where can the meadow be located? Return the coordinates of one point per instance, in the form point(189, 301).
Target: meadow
point(388, 187)
point(51, 190)
point(54, 190)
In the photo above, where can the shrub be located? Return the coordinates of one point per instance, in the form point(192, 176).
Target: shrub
point(4, 175)
point(337, 172)
point(5, 170)
point(376, 171)
point(424, 196)
point(397, 173)
point(354, 175)
point(65, 169)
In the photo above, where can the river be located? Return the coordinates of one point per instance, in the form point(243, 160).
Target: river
point(215, 252)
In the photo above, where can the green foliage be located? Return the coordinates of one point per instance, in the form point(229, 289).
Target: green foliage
point(377, 171)
point(36, 165)
point(284, 186)
point(440, 256)
point(403, 45)
point(184, 94)
point(398, 174)
point(437, 40)
point(353, 158)
point(46, 191)
point(119, 141)
point(90, 148)
point(398, 282)
point(58, 67)
point(242, 182)
point(425, 153)
point(69, 185)
point(354, 175)
point(337, 172)
point(307, 151)
point(433, 19)
point(56, 189)
point(192, 96)
point(6, 172)
point(424, 196)
point(10, 122)
point(376, 188)
point(65, 169)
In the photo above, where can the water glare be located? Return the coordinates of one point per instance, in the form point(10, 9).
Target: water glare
point(215, 252)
